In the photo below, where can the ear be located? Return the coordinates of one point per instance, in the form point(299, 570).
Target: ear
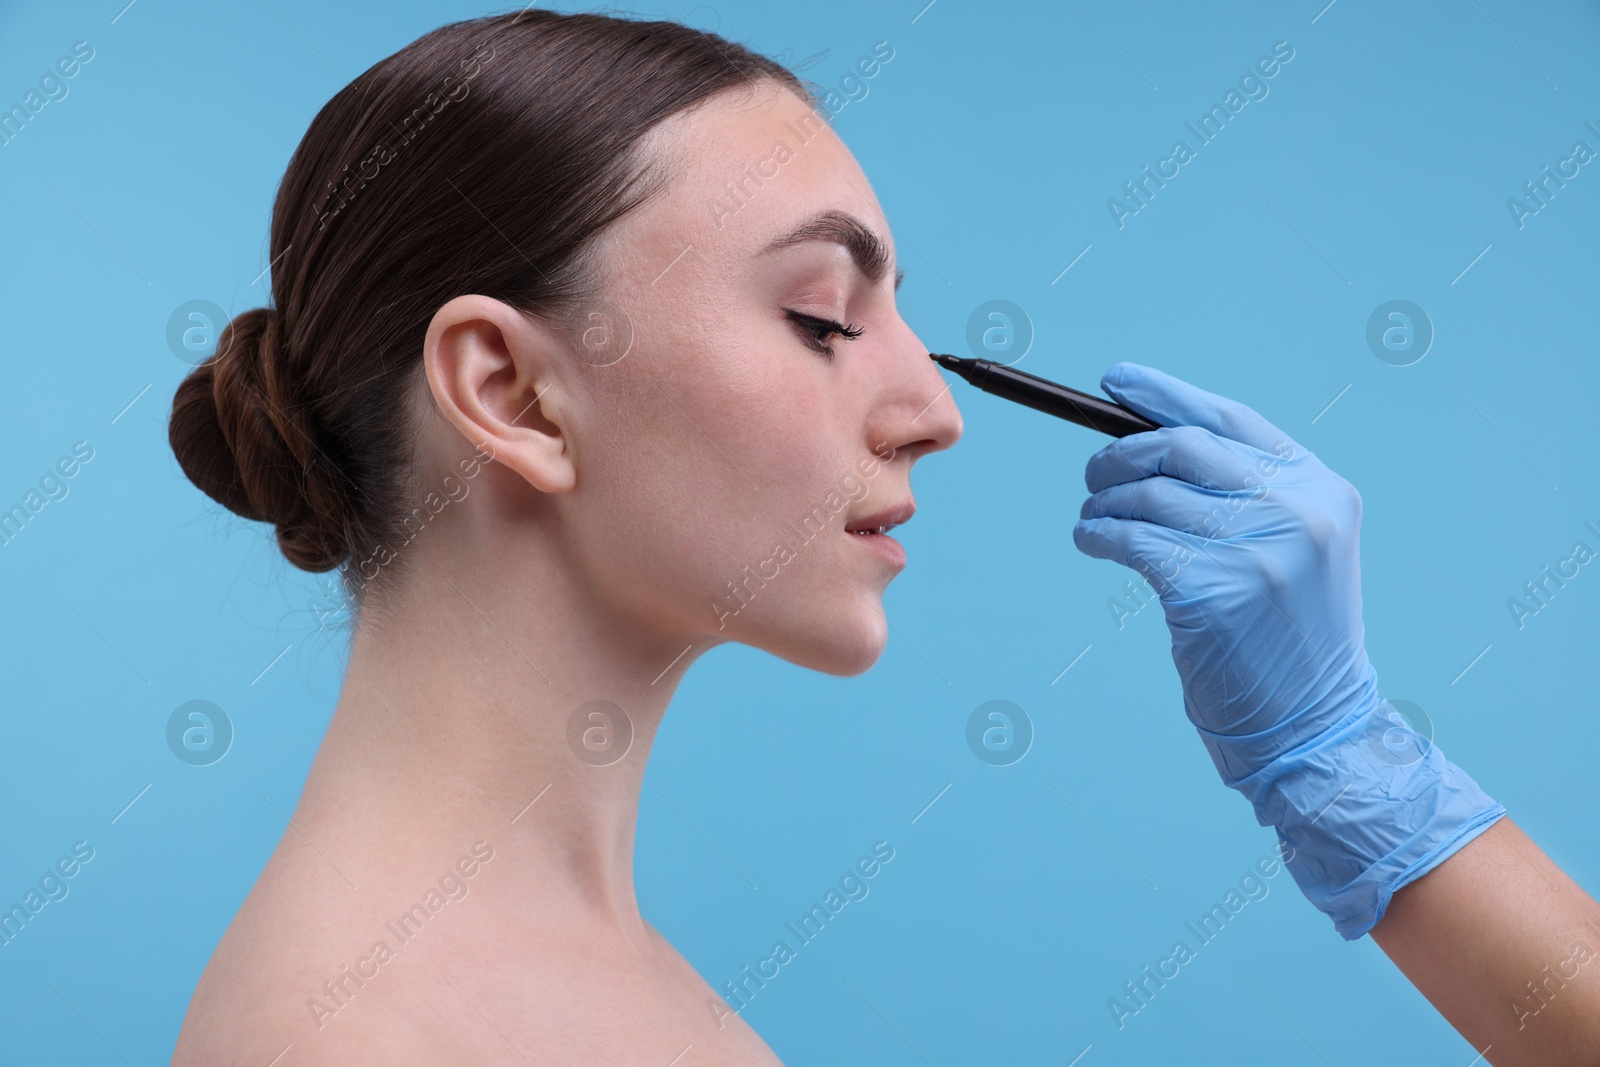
point(496, 374)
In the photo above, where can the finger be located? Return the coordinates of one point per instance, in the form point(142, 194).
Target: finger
point(1119, 539)
point(1174, 402)
point(1166, 502)
point(1191, 454)
point(1158, 554)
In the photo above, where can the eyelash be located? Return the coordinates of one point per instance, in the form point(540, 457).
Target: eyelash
point(816, 331)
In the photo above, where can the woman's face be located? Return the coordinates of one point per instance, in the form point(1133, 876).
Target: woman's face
point(724, 460)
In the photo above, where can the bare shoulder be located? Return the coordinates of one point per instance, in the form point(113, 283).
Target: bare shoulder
point(314, 972)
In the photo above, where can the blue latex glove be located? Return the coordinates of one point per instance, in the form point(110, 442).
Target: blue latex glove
point(1254, 548)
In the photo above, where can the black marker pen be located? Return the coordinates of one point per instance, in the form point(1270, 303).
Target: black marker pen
point(1095, 412)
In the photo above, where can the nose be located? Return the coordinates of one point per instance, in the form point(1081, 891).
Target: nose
point(916, 412)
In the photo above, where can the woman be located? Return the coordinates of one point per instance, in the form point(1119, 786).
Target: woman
point(584, 358)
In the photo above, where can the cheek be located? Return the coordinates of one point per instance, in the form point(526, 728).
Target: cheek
point(691, 484)
point(700, 484)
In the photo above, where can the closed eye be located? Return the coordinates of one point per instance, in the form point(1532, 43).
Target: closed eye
point(815, 331)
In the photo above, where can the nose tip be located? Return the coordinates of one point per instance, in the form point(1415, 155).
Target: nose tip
point(941, 417)
point(923, 418)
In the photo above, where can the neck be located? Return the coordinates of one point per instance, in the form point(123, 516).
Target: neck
point(453, 726)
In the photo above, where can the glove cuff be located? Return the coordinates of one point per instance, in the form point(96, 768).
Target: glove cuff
point(1368, 806)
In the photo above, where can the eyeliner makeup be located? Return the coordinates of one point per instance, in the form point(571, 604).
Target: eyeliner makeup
point(1095, 412)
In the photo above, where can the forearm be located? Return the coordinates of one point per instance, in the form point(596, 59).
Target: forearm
point(1506, 947)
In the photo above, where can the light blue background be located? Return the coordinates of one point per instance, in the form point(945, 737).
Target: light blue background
point(1022, 900)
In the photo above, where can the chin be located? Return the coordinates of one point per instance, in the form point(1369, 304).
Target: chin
point(843, 646)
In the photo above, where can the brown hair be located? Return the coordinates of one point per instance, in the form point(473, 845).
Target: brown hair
point(484, 157)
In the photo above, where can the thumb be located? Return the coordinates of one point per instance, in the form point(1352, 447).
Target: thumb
point(1174, 402)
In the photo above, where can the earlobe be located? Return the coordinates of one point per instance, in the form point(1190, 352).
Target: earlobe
point(496, 375)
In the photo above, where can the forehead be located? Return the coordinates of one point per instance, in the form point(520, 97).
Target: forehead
point(749, 166)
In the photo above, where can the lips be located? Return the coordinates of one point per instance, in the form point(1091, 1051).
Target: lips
point(883, 521)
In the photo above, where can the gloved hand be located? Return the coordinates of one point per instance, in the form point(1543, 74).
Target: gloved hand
point(1254, 549)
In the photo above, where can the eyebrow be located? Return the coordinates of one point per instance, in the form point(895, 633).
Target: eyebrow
point(870, 255)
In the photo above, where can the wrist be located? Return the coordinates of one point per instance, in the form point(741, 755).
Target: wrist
point(1250, 763)
point(1363, 821)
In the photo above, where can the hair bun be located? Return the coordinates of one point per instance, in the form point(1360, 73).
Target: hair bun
point(241, 438)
